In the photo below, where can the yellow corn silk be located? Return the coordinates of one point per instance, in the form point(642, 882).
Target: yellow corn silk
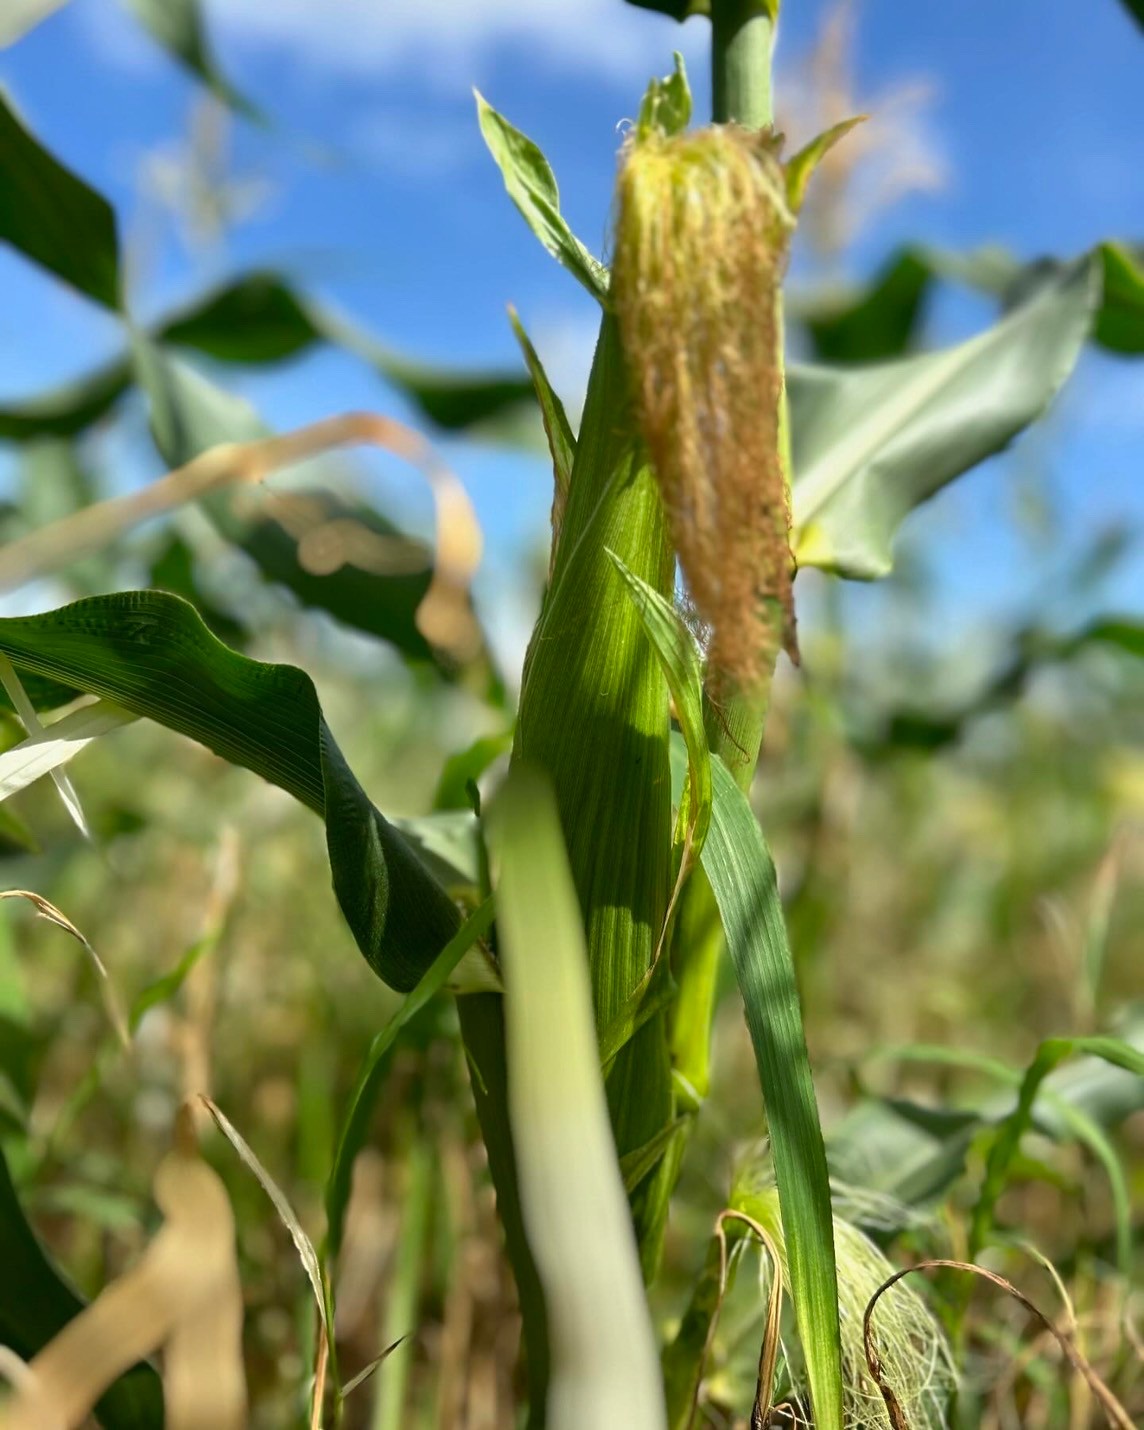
point(702, 233)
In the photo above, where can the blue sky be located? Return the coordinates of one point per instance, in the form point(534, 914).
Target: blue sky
point(373, 190)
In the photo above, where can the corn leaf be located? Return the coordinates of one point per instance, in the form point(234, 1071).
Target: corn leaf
point(20, 16)
point(879, 322)
point(871, 444)
point(666, 105)
point(355, 1127)
point(742, 877)
point(1136, 9)
point(557, 428)
point(257, 318)
point(531, 185)
point(881, 319)
point(605, 1371)
point(53, 747)
point(1003, 1151)
point(679, 660)
point(36, 1304)
point(179, 26)
point(52, 217)
point(461, 771)
point(677, 9)
point(151, 654)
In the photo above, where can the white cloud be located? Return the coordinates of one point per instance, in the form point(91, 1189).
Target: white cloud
point(451, 39)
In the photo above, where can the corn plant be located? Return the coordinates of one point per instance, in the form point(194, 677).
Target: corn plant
point(620, 863)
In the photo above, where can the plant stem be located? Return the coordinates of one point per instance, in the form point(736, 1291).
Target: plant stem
point(742, 37)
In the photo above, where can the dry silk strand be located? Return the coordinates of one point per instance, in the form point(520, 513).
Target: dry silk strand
point(702, 232)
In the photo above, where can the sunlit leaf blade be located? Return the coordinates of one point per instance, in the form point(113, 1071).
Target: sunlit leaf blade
point(35, 1305)
point(872, 443)
point(52, 217)
point(150, 653)
point(605, 1371)
point(180, 27)
point(53, 747)
point(531, 185)
point(742, 877)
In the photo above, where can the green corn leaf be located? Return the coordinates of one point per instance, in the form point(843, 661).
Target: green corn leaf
point(881, 1144)
point(355, 1127)
point(799, 167)
point(557, 428)
point(150, 653)
point(1005, 1146)
point(1120, 321)
point(163, 989)
point(463, 769)
point(679, 660)
point(35, 1305)
point(871, 444)
point(604, 1371)
point(179, 26)
point(685, 1356)
point(260, 318)
point(52, 217)
point(531, 185)
point(677, 9)
point(881, 319)
point(666, 105)
point(69, 409)
point(448, 844)
point(742, 877)
point(1136, 9)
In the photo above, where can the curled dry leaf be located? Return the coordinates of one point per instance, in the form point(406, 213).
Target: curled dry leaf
point(443, 617)
point(184, 1294)
point(53, 915)
point(1114, 1412)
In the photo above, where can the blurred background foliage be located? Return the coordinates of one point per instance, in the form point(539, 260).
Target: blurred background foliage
point(956, 816)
